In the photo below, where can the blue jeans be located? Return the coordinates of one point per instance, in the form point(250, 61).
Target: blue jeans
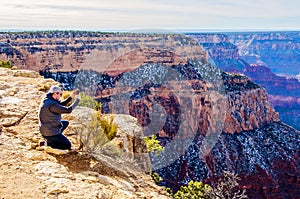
point(59, 141)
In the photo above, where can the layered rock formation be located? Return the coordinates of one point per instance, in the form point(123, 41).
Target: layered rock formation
point(248, 105)
point(193, 97)
point(260, 55)
point(70, 51)
point(276, 50)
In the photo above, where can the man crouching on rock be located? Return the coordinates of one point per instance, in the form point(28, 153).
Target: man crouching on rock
point(50, 124)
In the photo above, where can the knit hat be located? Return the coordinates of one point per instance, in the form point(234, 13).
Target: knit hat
point(55, 89)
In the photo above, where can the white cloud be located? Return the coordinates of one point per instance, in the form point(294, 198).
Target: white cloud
point(128, 14)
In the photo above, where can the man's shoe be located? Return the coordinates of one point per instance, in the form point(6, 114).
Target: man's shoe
point(43, 143)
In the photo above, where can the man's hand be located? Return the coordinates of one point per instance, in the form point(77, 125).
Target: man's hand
point(75, 93)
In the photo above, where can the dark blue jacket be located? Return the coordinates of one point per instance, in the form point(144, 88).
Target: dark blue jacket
point(50, 114)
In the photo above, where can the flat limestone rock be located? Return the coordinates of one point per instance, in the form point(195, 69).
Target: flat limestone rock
point(52, 151)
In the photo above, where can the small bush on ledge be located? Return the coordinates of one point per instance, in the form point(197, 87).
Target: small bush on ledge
point(5, 64)
point(153, 145)
point(99, 131)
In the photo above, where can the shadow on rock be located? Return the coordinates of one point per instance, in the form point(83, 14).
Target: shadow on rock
point(75, 161)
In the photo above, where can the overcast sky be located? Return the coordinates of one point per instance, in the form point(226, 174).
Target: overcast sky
point(140, 14)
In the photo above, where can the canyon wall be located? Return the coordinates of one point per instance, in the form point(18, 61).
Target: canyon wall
point(70, 51)
point(207, 120)
point(262, 56)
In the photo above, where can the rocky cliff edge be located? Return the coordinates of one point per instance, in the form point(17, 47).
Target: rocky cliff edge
point(26, 172)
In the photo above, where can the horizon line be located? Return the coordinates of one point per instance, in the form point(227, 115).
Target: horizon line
point(153, 30)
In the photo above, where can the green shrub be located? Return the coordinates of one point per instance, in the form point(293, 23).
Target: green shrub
point(99, 131)
point(94, 135)
point(157, 179)
point(168, 190)
point(110, 129)
point(89, 102)
point(226, 187)
point(5, 64)
point(194, 190)
point(153, 145)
